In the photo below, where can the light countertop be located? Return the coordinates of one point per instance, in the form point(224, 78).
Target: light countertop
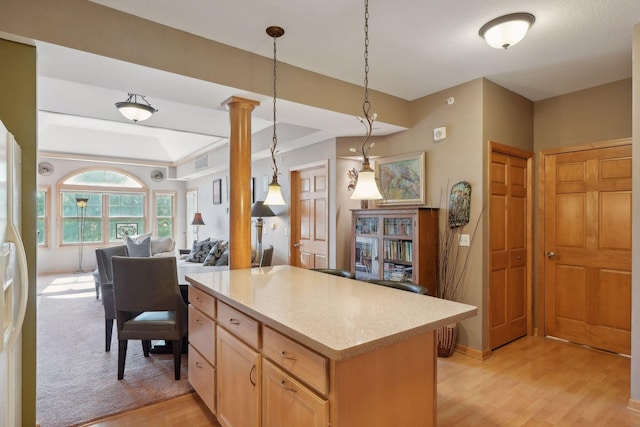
point(338, 317)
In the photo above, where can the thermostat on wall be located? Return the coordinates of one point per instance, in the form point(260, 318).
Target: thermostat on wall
point(439, 134)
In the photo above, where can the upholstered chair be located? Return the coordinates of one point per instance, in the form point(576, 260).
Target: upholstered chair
point(405, 286)
point(336, 272)
point(149, 305)
point(103, 256)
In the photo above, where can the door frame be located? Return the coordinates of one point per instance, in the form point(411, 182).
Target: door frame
point(496, 147)
point(540, 220)
point(294, 234)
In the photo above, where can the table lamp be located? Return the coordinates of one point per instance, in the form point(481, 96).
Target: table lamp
point(259, 210)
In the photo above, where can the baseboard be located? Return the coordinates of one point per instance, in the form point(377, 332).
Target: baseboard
point(472, 352)
point(634, 405)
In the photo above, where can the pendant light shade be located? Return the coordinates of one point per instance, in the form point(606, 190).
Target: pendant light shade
point(366, 185)
point(274, 196)
point(134, 110)
point(506, 31)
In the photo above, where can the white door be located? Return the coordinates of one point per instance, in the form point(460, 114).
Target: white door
point(13, 283)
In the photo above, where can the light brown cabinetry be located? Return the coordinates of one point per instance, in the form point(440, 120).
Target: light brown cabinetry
point(396, 244)
point(239, 380)
point(202, 349)
point(286, 402)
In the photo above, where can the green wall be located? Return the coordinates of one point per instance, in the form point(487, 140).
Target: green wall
point(18, 113)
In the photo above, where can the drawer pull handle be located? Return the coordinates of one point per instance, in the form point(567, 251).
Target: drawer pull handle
point(198, 365)
point(291, 389)
point(234, 321)
point(198, 321)
point(251, 375)
point(198, 299)
point(284, 355)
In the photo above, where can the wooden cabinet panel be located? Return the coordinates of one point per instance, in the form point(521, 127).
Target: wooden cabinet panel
point(286, 402)
point(202, 377)
point(202, 301)
point(241, 325)
point(307, 365)
point(202, 334)
point(239, 382)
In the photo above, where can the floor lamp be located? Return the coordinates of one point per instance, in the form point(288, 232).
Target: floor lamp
point(81, 210)
point(197, 222)
point(259, 210)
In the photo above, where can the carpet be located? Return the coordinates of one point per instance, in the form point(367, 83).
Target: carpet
point(76, 379)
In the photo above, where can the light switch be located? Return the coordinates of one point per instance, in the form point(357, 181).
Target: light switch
point(439, 133)
point(463, 240)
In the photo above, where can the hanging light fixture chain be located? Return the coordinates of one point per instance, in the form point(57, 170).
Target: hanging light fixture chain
point(366, 104)
point(274, 139)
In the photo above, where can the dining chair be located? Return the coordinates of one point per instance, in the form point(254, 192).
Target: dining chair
point(149, 305)
point(105, 272)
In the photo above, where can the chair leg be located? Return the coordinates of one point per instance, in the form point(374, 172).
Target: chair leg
point(108, 332)
point(177, 355)
point(146, 347)
point(122, 356)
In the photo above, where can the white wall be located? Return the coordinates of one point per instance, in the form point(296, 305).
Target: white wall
point(56, 259)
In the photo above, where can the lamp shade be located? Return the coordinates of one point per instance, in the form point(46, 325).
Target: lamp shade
point(81, 202)
point(259, 209)
point(274, 196)
point(505, 31)
point(197, 219)
point(366, 186)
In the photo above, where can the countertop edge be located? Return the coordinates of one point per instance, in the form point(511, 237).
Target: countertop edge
point(324, 350)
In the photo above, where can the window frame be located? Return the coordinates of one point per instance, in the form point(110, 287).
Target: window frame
point(104, 191)
point(154, 216)
point(46, 189)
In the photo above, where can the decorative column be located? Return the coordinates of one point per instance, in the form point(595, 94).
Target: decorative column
point(240, 181)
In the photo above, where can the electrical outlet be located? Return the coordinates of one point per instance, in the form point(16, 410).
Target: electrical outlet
point(463, 240)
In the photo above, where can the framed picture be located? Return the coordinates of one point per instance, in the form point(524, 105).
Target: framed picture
point(401, 179)
point(126, 229)
point(217, 191)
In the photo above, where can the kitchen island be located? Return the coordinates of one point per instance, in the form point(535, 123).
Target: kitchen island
point(288, 346)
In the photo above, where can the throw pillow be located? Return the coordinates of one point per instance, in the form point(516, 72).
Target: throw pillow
point(216, 252)
point(200, 250)
point(224, 258)
point(137, 248)
point(161, 244)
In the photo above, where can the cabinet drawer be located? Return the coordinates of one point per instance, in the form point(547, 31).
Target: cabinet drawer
point(241, 325)
point(286, 402)
point(202, 377)
point(305, 364)
point(202, 334)
point(202, 301)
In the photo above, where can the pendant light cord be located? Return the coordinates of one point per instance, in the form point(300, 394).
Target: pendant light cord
point(274, 140)
point(366, 104)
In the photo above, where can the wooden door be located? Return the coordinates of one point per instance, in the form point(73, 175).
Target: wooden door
point(310, 217)
point(509, 302)
point(587, 246)
point(239, 382)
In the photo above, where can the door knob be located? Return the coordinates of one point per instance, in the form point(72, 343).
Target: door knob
point(296, 245)
point(552, 255)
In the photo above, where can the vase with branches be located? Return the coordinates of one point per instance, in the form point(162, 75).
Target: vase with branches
point(453, 261)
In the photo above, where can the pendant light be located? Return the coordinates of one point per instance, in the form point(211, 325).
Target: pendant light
point(134, 110)
point(366, 185)
point(274, 196)
point(505, 31)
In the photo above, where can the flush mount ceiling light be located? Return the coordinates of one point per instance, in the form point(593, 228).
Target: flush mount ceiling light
point(366, 185)
point(507, 30)
point(274, 195)
point(134, 110)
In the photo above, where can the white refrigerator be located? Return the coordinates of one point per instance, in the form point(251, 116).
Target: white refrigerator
point(13, 282)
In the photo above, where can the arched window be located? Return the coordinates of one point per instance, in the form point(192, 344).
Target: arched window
point(103, 205)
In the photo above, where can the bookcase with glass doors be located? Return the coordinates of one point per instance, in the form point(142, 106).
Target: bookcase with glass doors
point(396, 244)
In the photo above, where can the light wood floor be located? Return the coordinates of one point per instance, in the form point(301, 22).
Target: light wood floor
point(531, 382)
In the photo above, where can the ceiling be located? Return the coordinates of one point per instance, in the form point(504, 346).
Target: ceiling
point(416, 48)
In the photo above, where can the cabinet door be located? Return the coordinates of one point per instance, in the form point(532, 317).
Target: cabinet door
point(286, 402)
point(239, 379)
